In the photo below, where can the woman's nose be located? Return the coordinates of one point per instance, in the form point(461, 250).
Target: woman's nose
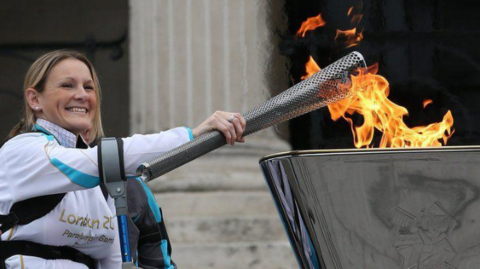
point(81, 94)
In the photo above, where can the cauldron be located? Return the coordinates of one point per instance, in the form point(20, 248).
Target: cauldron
point(413, 208)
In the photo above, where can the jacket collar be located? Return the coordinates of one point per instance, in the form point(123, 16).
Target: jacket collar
point(64, 137)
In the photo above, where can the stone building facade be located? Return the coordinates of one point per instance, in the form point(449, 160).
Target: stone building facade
point(168, 63)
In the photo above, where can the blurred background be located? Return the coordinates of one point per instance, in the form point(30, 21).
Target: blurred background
point(168, 63)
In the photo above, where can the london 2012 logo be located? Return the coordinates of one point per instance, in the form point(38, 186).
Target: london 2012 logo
point(422, 240)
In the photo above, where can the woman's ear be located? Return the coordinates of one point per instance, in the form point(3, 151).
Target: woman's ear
point(33, 99)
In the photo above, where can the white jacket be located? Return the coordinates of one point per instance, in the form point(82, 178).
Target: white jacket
point(35, 164)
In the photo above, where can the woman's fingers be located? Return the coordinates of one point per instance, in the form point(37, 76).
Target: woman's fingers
point(243, 122)
point(231, 125)
point(239, 129)
point(221, 124)
point(243, 126)
point(231, 130)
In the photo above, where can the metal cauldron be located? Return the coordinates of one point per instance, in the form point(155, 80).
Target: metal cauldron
point(380, 209)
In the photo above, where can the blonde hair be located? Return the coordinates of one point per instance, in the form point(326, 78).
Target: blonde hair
point(36, 78)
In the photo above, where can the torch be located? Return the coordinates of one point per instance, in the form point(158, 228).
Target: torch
point(325, 87)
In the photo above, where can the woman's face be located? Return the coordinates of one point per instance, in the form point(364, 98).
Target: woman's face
point(69, 99)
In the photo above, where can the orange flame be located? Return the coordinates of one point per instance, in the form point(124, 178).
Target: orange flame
point(310, 24)
point(371, 101)
point(350, 38)
point(356, 18)
point(350, 11)
point(310, 68)
point(427, 102)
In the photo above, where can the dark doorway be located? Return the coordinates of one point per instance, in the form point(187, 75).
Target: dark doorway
point(426, 50)
point(96, 28)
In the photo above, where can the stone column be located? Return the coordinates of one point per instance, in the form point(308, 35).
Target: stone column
point(189, 58)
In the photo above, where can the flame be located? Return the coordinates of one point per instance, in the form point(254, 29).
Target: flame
point(310, 24)
point(310, 68)
point(427, 102)
point(356, 18)
point(350, 37)
point(350, 11)
point(371, 101)
point(379, 113)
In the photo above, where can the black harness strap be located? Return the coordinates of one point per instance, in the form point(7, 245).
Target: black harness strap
point(27, 211)
point(12, 248)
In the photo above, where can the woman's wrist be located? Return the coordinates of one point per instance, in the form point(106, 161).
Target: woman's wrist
point(194, 132)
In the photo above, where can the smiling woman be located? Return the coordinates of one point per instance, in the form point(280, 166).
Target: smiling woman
point(59, 85)
point(69, 98)
point(53, 213)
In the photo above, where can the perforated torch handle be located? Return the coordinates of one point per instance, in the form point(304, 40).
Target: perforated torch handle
point(327, 86)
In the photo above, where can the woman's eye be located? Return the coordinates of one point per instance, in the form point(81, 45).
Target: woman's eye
point(89, 88)
point(67, 85)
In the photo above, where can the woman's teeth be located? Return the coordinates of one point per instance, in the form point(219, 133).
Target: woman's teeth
point(77, 110)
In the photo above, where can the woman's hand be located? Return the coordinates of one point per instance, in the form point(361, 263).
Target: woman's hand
point(231, 125)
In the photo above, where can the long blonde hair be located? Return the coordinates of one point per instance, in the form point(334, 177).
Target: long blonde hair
point(36, 78)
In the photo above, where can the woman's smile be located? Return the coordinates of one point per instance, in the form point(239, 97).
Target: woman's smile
point(77, 110)
point(69, 99)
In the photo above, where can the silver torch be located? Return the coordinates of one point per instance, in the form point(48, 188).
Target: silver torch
point(325, 87)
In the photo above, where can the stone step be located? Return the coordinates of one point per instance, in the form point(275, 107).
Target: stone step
point(228, 168)
point(183, 230)
point(257, 145)
point(210, 173)
point(210, 204)
point(268, 255)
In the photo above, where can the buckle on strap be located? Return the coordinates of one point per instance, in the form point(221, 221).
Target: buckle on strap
point(8, 221)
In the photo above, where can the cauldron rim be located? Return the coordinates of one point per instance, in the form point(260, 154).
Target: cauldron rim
point(330, 152)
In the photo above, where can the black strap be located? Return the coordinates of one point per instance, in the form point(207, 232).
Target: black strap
point(12, 248)
point(26, 211)
point(163, 230)
point(100, 171)
point(121, 158)
point(155, 234)
point(7, 222)
point(150, 235)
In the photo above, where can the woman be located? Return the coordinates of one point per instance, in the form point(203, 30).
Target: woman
point(44, 162)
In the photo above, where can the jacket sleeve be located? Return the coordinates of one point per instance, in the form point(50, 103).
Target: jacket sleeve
point(37, 165)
